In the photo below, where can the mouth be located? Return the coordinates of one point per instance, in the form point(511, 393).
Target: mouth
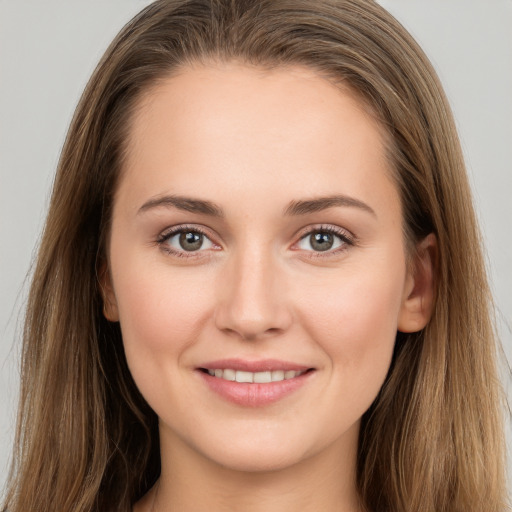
point(263, 377)
point(254, 383)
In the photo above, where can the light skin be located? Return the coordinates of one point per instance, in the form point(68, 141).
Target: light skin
point(254, 165)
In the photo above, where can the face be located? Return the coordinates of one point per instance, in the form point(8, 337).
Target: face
point(257, 264)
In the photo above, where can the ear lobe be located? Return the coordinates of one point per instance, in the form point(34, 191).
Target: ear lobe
point(110, 311)
point(419, 290)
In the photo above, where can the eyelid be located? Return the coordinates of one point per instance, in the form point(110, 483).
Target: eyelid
point(346, 237)
point(172, 231)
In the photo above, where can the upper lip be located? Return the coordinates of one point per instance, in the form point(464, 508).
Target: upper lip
point(262, 365)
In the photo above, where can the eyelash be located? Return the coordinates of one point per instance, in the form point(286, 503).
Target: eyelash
point(346, 238)
point(166, 235)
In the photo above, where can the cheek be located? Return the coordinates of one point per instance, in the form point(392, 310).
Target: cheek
point(161, 312)
point(353, 317)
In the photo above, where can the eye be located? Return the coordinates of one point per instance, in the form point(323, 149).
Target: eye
point(324, 240)
point(181, 240)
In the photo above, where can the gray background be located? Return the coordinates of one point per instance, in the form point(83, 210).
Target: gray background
point(49, 48)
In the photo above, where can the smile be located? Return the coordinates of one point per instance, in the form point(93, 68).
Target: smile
point(254, 383)
point(254, 377)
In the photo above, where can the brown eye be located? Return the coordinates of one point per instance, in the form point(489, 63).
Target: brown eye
point(185, 240)
point(191, 240)
point(321, 241)
point(324, 240)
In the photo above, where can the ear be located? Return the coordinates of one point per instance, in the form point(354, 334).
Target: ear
point(419, 289)
point(110, 311)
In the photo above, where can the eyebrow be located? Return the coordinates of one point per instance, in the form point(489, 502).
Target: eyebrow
point(187, 204)
point(323, 203)
point(299, 207)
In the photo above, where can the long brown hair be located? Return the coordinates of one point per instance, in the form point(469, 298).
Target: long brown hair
point(432, 440)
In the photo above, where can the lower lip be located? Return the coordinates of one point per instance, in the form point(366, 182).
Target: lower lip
point(255, 395)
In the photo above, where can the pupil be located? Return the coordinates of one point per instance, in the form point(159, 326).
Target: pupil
point(191, 241)
point(321, 241)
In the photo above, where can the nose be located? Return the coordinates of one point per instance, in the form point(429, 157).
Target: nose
point(252, 301)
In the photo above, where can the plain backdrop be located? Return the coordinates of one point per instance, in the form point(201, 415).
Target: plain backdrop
point(49, 48)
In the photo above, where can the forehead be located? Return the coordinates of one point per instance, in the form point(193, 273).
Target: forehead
point(228, 127)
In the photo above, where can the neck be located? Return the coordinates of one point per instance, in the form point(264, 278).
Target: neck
point(189, 482)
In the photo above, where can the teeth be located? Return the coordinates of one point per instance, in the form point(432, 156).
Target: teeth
point(262, 377)
point(244, 376)
point(229, 374)
point(277, 375)
point(256, 377)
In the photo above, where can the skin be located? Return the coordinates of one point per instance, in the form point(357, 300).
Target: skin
point(253, 142)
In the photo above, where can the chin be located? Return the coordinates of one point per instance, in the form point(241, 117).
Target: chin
point(257, 453)
point(261, 462)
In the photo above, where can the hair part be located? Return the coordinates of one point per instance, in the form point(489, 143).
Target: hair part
point(432, 440)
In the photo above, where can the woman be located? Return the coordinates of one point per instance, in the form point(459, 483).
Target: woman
point(250, 292)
